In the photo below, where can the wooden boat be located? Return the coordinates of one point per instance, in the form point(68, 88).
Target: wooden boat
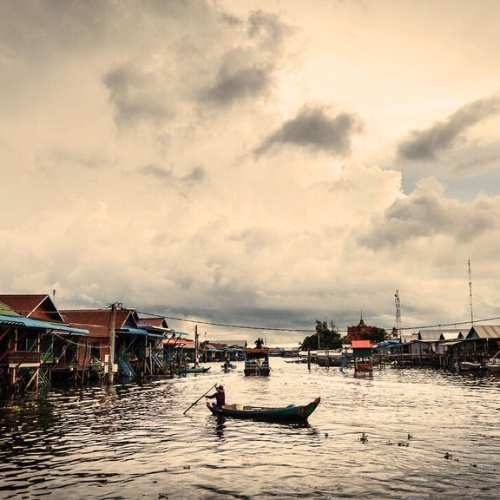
point(493, 367)
point(195, 369)
point(290, 413)
point(466, 366)
point(257, 362)
point(493, 364)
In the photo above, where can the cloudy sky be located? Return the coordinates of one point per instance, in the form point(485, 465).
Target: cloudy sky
point(261, 162)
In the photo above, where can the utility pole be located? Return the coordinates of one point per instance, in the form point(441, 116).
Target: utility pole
point(112, 343)
point(470, 294)
point(196, 345)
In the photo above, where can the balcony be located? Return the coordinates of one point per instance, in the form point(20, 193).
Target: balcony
point(23, 358)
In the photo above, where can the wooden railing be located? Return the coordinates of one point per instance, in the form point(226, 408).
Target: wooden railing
point(19, 357)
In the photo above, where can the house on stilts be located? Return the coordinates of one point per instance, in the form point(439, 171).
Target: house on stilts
point(37, 346)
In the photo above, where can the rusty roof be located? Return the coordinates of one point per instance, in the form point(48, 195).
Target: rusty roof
point(97, 321)
point(37, 306)
point(6, 310)
point(178, 342)
point(158, 322)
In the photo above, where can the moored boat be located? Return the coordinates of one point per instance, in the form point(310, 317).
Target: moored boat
point(195, 369)
point(290, 413)
point(467, 366)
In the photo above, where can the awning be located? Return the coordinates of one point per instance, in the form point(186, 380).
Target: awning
point(39, 324)
point(139, 331)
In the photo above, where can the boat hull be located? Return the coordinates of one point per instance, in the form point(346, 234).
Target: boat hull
point(291, 413)
point(257, 372)
point(195, 370)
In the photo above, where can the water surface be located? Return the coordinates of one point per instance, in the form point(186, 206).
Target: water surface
point(132, 441)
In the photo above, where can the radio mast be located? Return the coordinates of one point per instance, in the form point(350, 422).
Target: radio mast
point(470, 293)
point(397, 303)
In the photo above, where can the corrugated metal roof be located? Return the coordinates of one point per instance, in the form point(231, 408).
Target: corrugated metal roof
point(5, 310)
point(139, 331)
point(453, 335)
point(97, 321)
point(156, 322)
point(178, 342)
point(237, 343)
point(45, 325)
point(22, 303)
point(432, 335)
point(484, 332)
point(36, 306)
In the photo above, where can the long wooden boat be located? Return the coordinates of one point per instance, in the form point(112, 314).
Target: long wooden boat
point(467, 366)
point(290, 413)
point(195, 369)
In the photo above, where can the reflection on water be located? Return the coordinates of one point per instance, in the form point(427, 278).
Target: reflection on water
point(427, 434)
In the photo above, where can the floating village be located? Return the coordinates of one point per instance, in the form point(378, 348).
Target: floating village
point(42, 346)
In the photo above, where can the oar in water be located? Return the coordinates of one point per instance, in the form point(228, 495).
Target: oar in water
point(185, 411)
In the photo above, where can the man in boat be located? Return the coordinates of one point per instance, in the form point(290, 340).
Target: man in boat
point(220, 397)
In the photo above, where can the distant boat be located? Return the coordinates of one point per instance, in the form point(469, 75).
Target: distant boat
point(290, 413)
point(493, 365)
point(467, 366)
point(257, 362)
point(195, 369)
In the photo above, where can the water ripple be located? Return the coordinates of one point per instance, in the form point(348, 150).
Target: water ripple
point(128, 441)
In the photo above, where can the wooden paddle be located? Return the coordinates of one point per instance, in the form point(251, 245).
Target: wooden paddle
point(185, 411)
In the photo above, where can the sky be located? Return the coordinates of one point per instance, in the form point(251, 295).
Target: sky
point(257, 162)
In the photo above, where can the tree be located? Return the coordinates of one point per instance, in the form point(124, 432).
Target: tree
point(259, 343)
point(328, 338)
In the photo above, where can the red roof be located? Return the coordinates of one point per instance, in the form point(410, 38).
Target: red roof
point(36, 306)
point(361, 344)
point(97, 321)
point(178, 342)
point(158, 322)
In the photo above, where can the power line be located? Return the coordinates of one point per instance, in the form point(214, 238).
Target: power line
point(229, 325)
point(253, 327)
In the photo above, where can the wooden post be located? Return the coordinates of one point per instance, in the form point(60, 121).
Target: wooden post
point(37, 379)
point(111, 356)
point(196, 345)
point(151, 357)
point(309, 359)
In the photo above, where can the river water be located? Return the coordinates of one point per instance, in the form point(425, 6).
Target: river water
point(132, 441)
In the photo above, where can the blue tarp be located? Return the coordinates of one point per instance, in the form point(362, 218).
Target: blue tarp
point(139, 331)
point(44, 325)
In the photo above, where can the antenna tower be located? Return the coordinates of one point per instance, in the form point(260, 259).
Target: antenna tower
point(397, 303)
point(470, 293)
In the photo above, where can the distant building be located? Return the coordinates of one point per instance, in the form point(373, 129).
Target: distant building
point(362, 331)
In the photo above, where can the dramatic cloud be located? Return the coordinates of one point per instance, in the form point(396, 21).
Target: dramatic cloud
point(136, 96)
point(132, 125)
point(268, 29)
point(237, 79)
point(313, 128)
point(247, 71)
point(424, 144)
point(428, 212)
